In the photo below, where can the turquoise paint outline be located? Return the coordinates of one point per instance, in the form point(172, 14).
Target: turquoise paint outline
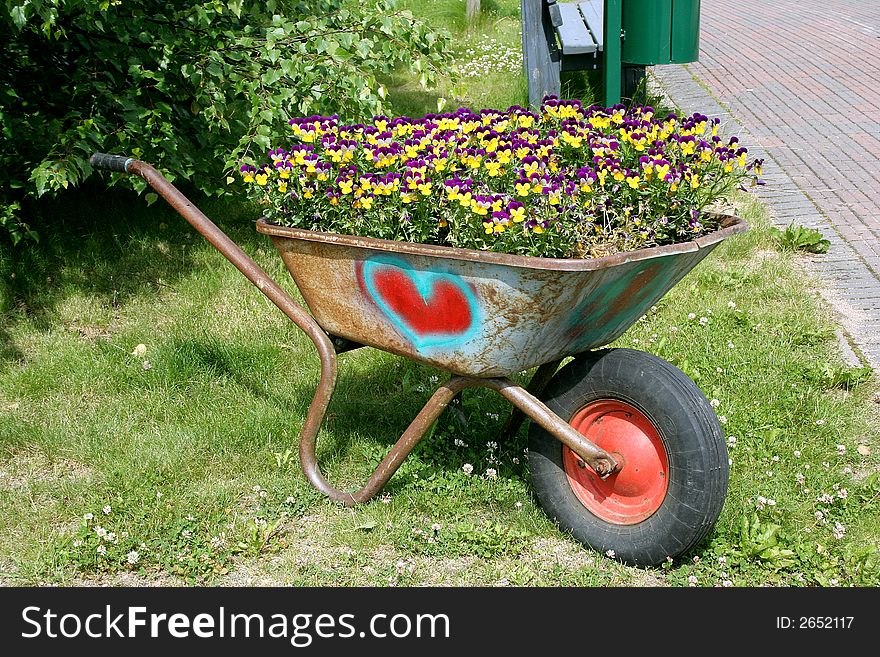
point(424, 281)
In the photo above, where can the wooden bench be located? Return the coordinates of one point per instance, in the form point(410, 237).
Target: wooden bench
point(580, 26)
point(572, 36)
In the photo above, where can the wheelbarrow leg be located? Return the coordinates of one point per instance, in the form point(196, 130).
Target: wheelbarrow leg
point(536, 386)
point(392, 461)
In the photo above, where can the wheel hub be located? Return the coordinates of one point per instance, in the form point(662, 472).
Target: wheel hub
point(638, 488)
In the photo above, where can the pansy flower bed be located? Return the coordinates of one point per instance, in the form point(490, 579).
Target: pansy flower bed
point(566, 181)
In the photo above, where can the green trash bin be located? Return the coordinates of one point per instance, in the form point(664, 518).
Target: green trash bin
point(660, 32)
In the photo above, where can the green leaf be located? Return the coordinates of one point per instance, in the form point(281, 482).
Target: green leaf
point(19, 17)
point(235, 7)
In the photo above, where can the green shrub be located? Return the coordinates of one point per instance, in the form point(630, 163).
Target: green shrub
point(189, 87)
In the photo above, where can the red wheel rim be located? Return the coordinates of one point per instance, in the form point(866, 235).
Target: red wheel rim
point(638, 489)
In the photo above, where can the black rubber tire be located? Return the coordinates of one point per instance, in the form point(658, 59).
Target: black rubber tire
point(697, 455)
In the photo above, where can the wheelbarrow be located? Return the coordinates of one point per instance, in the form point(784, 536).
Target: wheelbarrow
point(625, 452)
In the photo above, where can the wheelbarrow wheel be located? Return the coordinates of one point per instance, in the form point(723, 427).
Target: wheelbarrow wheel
point(655, 420)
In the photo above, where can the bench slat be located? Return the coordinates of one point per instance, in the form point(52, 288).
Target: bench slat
point(594, 16)
point(573, 33)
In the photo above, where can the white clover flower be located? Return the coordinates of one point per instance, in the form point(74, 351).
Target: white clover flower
point(458, 442)
point(842, 494)
point(107, 510)
point(610, 553)
point(290, 499)
point(89, 516)
point(436, 527)
point(704, 321)
point(730, 345)
point(111, 537)
point(133, 557)
point(491, 473)
point(77, 543)
point(674, 329)
point(692, 580)
point(800, 479)
point(100, 531)
point(731, 441)
point(147, 365)
point(714, 403)
point(101, 549)
point(467, 468)
point(841, 450)
point(797, 453)
point(820, 422)
point(731, 304)
point(838, 531)
point(727, 583)
point(691, 316)
point(518, 505)
point(385, 499)
point(825, 498)
point(722, 419)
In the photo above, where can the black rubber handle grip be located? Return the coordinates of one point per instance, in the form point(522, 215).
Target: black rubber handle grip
point(118, 163)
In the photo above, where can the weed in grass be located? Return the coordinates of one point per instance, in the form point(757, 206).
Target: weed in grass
point(801, 238)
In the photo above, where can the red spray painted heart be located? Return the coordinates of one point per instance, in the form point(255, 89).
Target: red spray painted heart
point(430, 308)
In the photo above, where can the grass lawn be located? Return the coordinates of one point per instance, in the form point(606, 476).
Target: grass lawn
point(148, 391)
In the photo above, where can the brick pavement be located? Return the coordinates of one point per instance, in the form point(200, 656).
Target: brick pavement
point(802, 81)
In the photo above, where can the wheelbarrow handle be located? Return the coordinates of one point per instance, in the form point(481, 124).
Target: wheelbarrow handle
point(242, 261)
point(107, 162)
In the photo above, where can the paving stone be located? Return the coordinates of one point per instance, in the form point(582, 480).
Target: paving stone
point(816, 121)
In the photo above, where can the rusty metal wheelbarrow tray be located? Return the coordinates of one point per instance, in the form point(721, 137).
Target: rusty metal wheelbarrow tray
point(478, 313)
